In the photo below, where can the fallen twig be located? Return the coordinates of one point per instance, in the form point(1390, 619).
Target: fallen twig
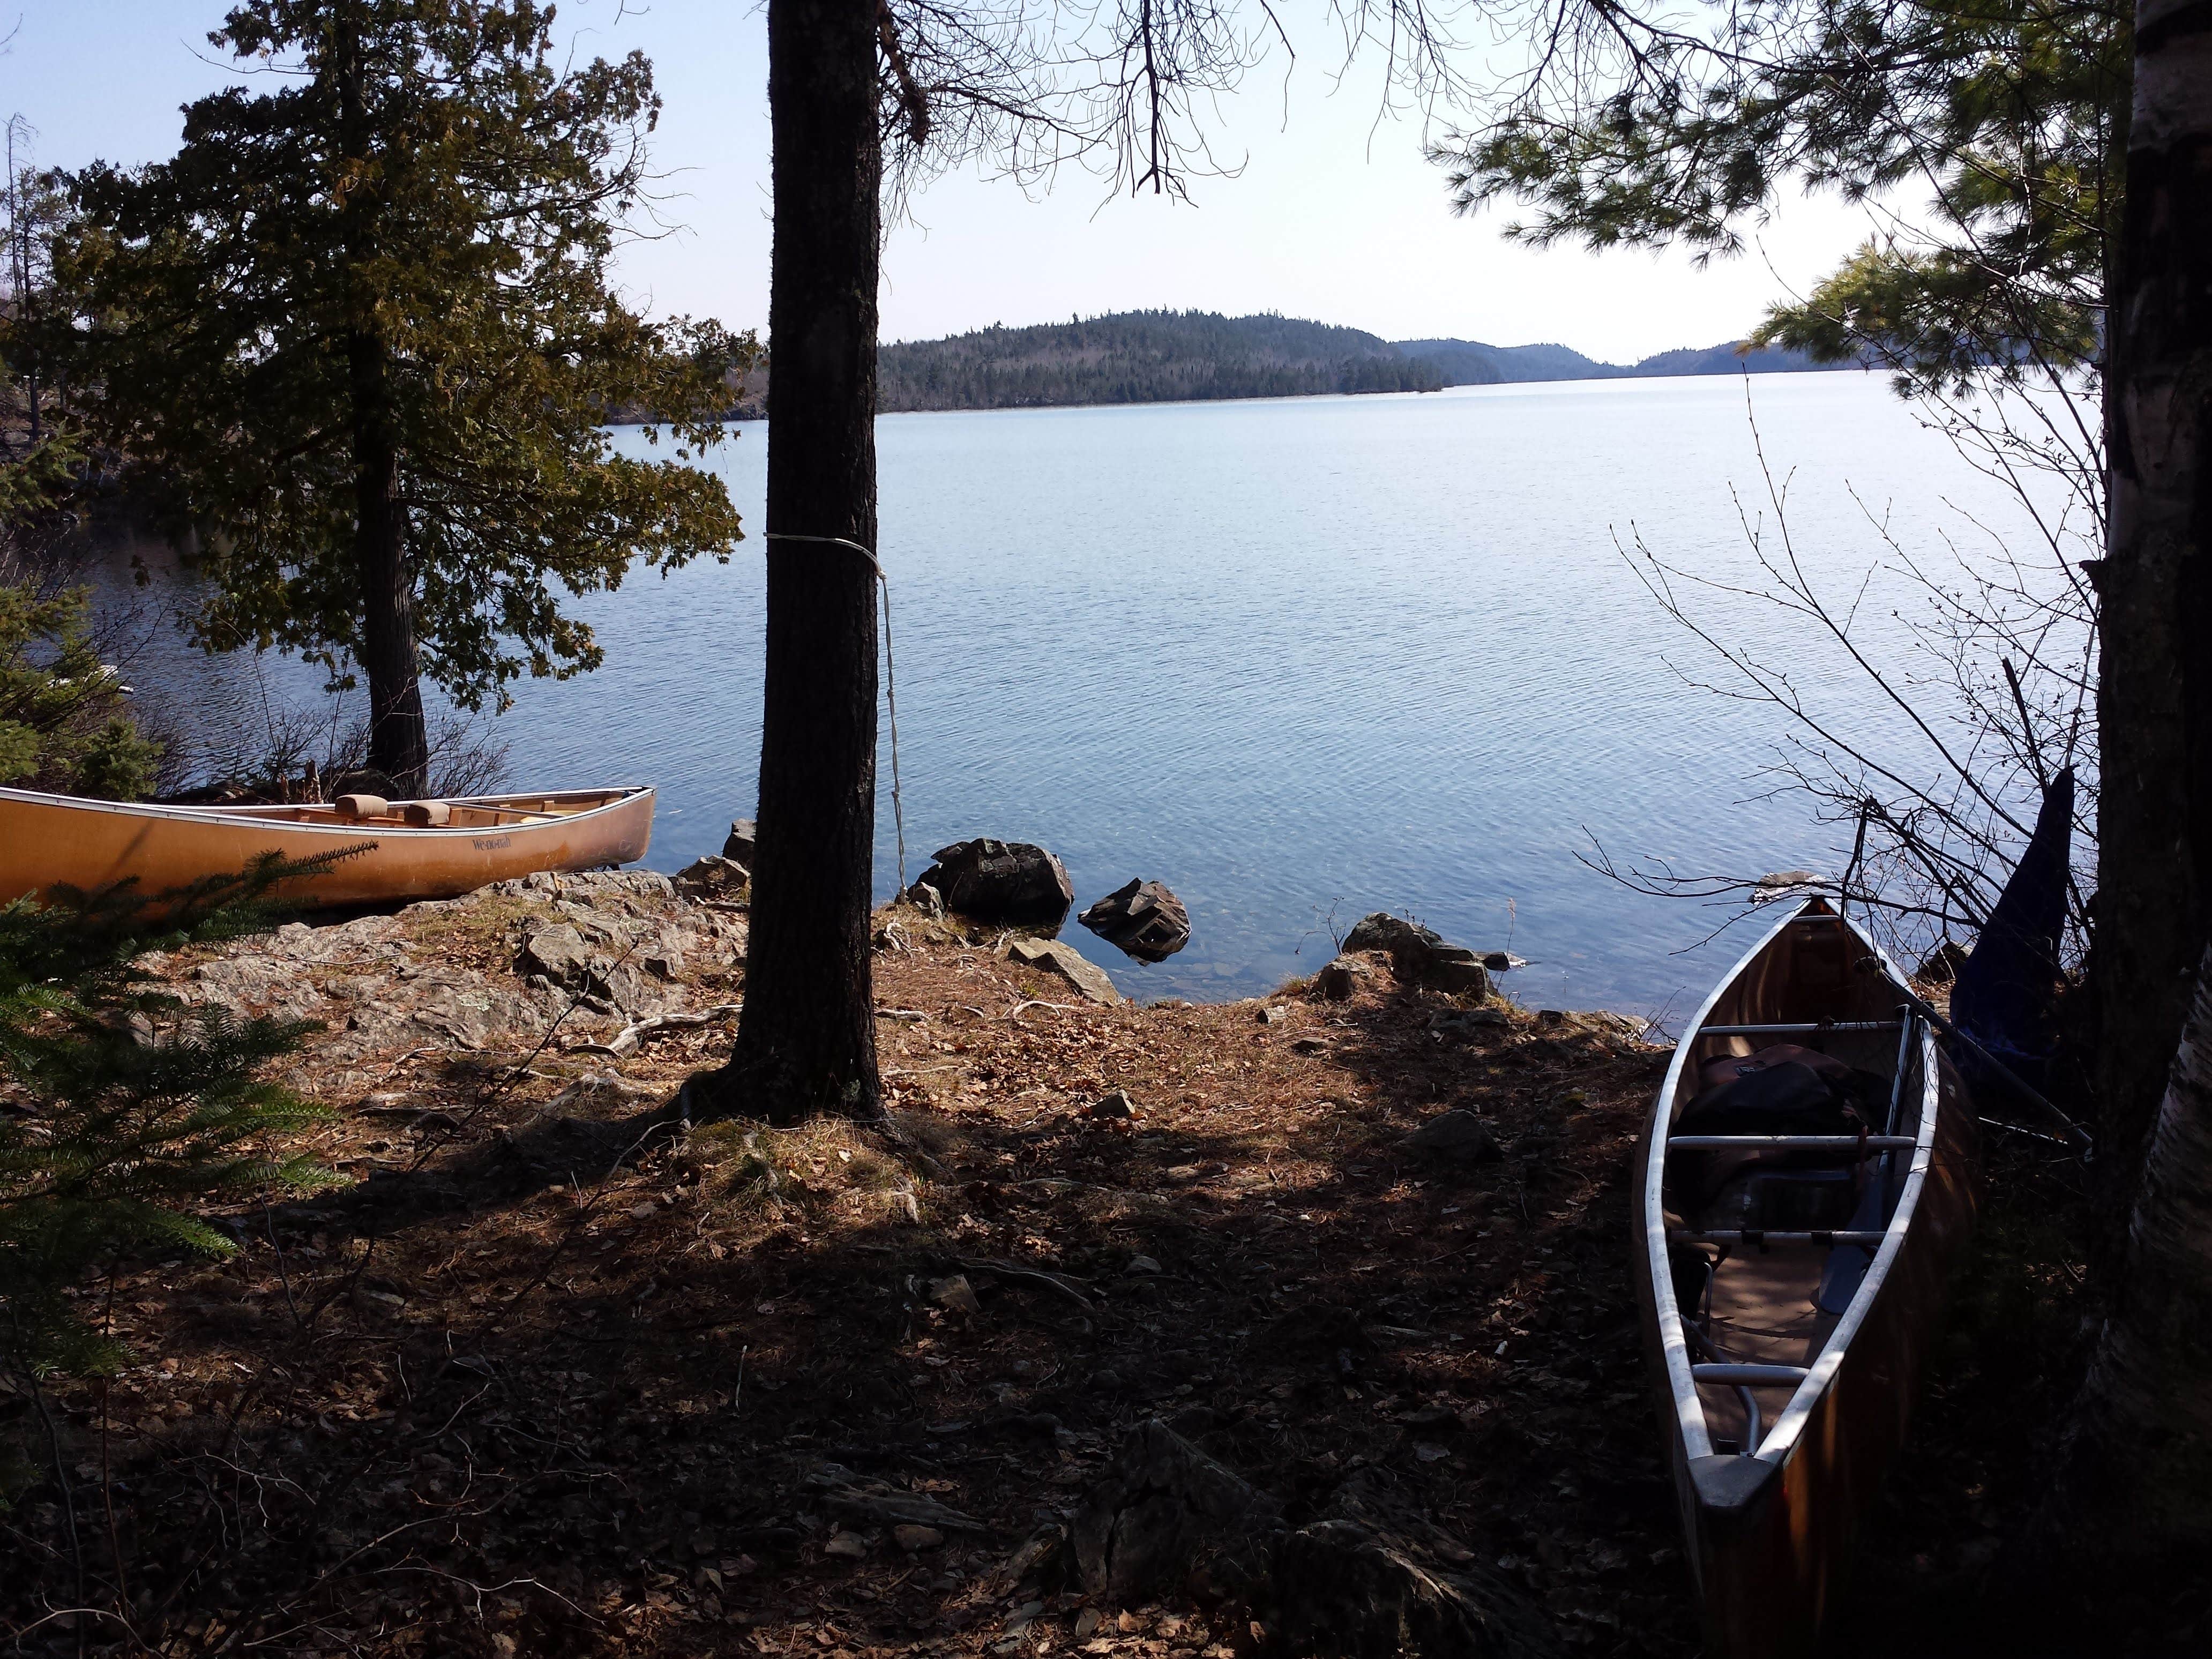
point(631, 1035)
point(1018, 1275)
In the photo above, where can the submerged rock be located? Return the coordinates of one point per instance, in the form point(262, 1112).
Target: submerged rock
point(1012, 882)
point(1143, 919)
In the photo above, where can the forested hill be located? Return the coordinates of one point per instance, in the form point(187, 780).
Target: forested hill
point(1470, 363)
point(1143, 357)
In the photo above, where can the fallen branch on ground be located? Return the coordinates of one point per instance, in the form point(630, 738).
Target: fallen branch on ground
point(631, 1035)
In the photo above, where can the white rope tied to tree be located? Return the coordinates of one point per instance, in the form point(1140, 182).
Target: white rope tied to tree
point(891, 673)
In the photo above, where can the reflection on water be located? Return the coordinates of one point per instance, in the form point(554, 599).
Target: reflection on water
point(1298, 660)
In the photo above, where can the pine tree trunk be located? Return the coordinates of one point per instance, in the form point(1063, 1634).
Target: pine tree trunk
point(806, 1039)
point(398, 745)
point(2154, 908)
point(2133, 1487)
point(398, 742)
point(2136, 1478)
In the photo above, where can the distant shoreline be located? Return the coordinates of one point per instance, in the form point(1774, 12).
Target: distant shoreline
point(1198, 357)
point(751, 414)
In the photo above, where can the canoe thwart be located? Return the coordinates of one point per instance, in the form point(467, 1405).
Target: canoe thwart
point(1799, 1028)
point(1790, 1143)
point(1751, 1377)
point(1760, 1235)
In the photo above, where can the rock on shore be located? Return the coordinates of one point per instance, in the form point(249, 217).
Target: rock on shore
point(491, 970)
point(1419, 956)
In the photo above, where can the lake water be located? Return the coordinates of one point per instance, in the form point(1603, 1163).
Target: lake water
point(1299, 659)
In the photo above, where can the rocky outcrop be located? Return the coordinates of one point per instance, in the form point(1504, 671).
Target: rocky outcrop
point(492, 970)
point(1143, 919)
point(1014, 884)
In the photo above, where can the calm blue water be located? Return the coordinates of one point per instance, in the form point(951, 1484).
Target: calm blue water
point(1303, 658)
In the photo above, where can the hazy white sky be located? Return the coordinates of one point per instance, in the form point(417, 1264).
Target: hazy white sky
point(1334, 216)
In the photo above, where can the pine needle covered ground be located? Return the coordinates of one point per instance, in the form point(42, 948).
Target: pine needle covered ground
point(553, 1377)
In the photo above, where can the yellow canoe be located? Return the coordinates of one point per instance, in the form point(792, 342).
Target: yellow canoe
point(452, 848)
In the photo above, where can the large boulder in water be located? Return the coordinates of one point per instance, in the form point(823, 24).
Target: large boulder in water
point(1143, 919)
point(1011, 881)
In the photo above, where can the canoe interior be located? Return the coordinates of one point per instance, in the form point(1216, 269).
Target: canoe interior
point(1768, 1305)
point(468, 812)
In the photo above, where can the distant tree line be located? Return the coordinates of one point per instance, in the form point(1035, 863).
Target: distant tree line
point(1144, 357)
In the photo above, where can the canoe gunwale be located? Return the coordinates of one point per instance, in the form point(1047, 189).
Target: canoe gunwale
point(341, 830)
point(1782, 1437)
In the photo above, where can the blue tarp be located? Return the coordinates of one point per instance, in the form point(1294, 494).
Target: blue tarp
point(2006, 989)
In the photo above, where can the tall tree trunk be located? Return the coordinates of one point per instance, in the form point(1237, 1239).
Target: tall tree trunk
point(807, 1039)
point(398, 744)
point(2136, 1478)
point(2154, 694)
point(2133, 1481)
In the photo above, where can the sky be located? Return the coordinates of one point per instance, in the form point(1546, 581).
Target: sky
point(1334, 215)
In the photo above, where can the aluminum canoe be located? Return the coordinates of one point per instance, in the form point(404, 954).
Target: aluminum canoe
point(1781, 1414)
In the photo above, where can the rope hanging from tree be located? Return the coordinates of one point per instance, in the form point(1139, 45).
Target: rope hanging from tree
point(891, 673)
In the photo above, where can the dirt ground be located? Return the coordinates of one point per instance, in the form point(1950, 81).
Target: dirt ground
point(556, 1376)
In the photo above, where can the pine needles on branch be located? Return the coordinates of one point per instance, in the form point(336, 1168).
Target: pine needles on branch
point(120, 1108)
